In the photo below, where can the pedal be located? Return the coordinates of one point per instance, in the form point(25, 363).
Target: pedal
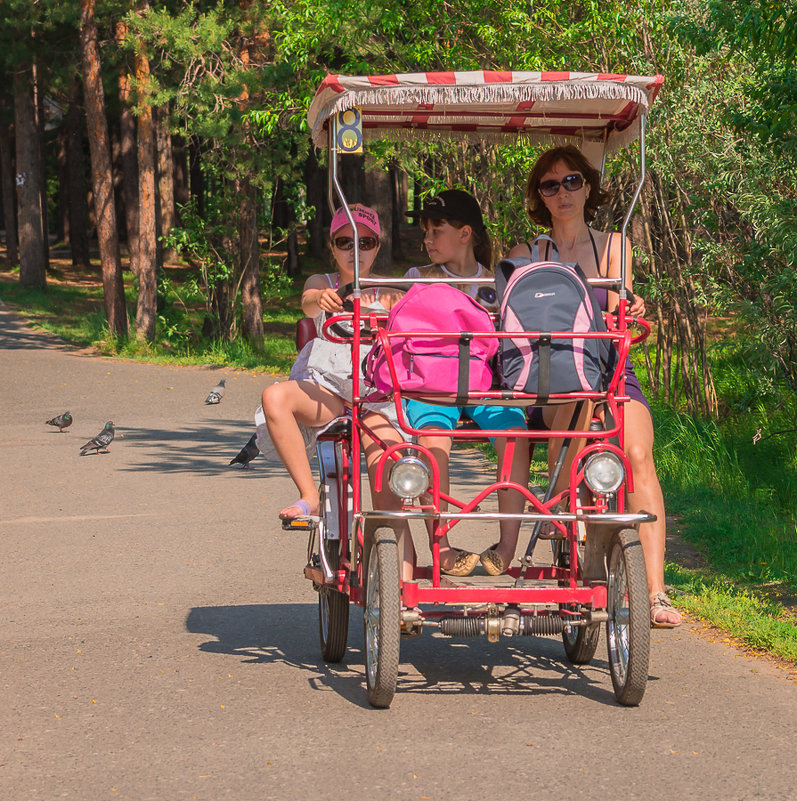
point(304, 523)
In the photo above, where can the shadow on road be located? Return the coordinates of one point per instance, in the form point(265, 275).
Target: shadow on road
point(16, 335)
point(434, 665)
point(205, 448)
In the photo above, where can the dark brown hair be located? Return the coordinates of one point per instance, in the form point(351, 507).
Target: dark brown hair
point(482, 245)
point(574, 159)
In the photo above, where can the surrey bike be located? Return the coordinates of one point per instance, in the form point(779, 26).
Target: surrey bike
point(597, 575)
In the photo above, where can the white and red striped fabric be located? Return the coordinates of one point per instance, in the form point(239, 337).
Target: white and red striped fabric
point(543, 106)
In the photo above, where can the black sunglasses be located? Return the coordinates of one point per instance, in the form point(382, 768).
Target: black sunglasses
point(363, 243)
point(570, 182)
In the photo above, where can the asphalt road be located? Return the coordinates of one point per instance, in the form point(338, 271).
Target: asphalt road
point(160, 642)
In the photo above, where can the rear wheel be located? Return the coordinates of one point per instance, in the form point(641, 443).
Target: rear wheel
point(381, 616)
point(333, 623)
point(580, 642)
point(628, 627)
point(333, 605)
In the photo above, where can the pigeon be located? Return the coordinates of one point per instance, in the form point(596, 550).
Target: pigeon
point(101, 441)
point(62, 421)
point(217, 393)
point(247, 453)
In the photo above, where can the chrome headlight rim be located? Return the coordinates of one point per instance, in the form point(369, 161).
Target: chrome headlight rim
point(414, 475)
point(599, 461)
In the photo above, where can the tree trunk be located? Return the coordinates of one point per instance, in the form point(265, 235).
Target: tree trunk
point(181, 191)
point(398, 195)
point(9, 194)
point(102, 176)
point(283, 216)
point(315, 185)
point(76, 180)
point(32, 266)
point(196, 180)
point(165, 177)
point(249, 267)
point(129, 159)
point(62, 204)
point(39, 95)
point(147, 222)
point(379, 194)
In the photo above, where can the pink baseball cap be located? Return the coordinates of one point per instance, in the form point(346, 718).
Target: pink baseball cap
point(362, 216)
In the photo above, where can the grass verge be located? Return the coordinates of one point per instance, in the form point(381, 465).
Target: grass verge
point(73, 310)
point(747, 614)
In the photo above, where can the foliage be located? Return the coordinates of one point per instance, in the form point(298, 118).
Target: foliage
point(752, 47)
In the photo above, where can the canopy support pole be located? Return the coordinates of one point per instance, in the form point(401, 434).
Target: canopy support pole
point(334, 189)
point(623, 292)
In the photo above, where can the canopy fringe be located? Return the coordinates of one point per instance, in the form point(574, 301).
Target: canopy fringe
point(445, 99)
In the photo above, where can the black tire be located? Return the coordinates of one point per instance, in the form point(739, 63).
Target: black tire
point(582, 641)
point(628, 627)
point(333, 623)
point(333, 606)
point(381, 616)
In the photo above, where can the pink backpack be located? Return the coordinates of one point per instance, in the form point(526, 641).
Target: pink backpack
point(435, 365)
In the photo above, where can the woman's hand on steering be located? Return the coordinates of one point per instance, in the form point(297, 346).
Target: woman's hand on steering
point(329, 301)
point(637, 306)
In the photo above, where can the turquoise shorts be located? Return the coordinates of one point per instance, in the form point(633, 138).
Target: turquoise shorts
point(489, 418)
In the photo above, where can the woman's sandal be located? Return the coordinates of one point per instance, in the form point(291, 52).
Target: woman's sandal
point(463, 565)
point(661, 609)
point(492, 562)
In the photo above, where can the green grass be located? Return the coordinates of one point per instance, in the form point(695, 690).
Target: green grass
point(747, 614)
point(739, 509)
point(736, 500)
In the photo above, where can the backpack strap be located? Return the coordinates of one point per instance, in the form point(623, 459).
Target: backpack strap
point(463, 371)
point(544, 370)
point(534, 251)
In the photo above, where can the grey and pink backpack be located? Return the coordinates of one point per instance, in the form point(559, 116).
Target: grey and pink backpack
point(550, 297)
point(428, 362)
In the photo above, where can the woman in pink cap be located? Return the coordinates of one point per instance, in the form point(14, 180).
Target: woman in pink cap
point(320, 382)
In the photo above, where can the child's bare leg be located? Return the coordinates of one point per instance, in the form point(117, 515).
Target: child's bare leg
point(385, 499)
point(441, 450)
point(511, 501)
point(285, 405)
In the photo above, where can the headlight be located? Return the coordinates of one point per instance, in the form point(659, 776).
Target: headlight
point(409, 477)
point(604, 473)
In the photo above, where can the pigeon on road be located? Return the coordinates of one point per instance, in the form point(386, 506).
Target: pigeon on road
point(217, 393)
point(101, 442)
point(62, 421)
point(247, 453)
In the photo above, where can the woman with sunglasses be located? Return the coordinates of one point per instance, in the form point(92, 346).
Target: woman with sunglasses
point(320, 382)
point(563, 194)
point(459, 246)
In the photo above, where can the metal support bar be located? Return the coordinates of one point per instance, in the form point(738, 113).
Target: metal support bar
point(623, 293)
point(334, 184)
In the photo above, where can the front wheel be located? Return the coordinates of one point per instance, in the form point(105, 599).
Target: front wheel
point(333, 623)
point(628, 627)
point(381, 616)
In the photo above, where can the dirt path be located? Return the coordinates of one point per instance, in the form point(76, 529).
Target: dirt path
point(161, 643)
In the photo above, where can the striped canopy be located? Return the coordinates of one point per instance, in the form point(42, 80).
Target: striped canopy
point(589, 108)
